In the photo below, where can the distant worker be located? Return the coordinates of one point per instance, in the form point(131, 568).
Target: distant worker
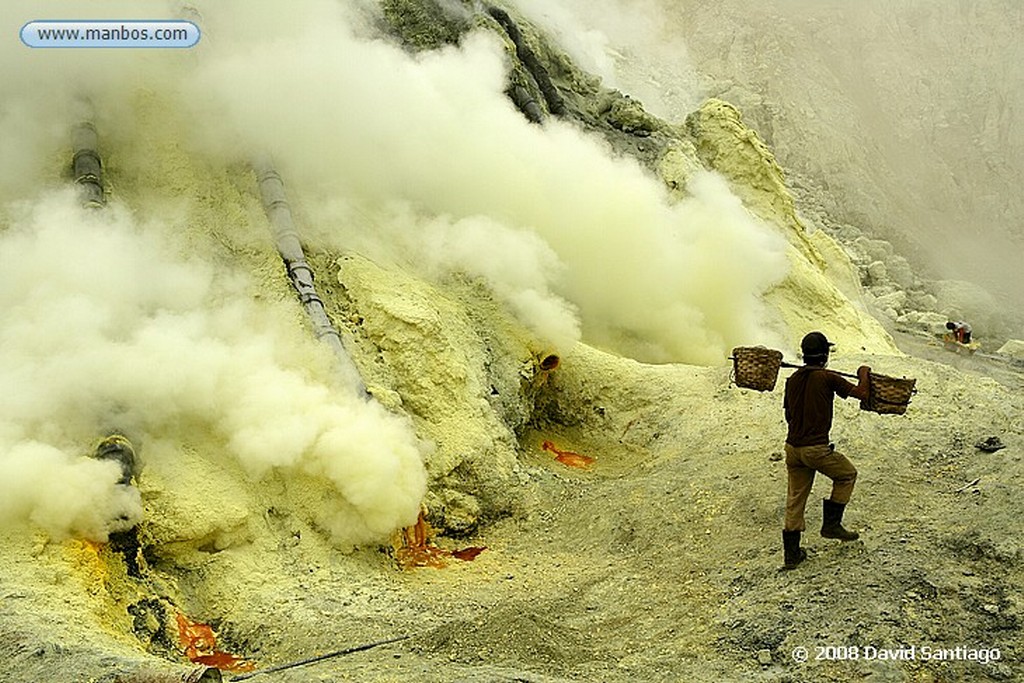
point(961, 331)
point(808, 406)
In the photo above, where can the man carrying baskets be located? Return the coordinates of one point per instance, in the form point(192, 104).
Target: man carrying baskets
point(808, 405)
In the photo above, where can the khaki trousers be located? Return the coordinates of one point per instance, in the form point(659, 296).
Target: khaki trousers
point(801, 464)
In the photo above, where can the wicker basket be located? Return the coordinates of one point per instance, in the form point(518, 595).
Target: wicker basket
point(888, 395)
point(755, 367)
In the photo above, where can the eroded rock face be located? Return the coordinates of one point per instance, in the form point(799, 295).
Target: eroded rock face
point(461, 368)
point(727, 145)
point(716, 138)
point(425, 25)
point(802, 78)
point(810, 296)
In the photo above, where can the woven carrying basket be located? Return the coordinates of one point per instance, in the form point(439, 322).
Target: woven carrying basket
point(755, 367)
point(888, 395)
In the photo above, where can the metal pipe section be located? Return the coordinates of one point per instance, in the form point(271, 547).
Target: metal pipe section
point(549, 362)
point(87, 171)
point(119, 449)
point(526, 104)
point(124, 536)
point(86, 166)
point(275, 203)
point(553, 98)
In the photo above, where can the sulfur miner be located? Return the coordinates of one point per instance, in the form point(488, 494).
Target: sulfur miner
point(808, 406)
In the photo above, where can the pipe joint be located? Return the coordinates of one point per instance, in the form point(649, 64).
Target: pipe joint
point(549, 362)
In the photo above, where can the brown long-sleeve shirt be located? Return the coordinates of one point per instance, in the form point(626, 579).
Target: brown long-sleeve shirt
point(810, 392)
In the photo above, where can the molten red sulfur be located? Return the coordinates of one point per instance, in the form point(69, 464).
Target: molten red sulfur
point(569, 458)
point(468, 554)
point(200, 645)
point(418, 551)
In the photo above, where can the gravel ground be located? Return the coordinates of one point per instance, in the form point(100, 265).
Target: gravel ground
point(659, 563)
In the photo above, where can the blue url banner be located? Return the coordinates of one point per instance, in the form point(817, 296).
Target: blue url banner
point(126, 33)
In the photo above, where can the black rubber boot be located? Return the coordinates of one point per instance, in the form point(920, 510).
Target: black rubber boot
point(832, 522)
point(791, 546)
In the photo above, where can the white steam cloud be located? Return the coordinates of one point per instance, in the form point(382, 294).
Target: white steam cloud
point(519, 266)
point(103, 327)
point(366, 120)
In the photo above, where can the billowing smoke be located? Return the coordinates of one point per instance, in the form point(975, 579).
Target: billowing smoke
point(103, 327)
point(518, 265)
point(107, 326)
point(365, 120)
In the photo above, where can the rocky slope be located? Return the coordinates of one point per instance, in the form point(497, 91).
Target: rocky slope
point(898, 123)
point(660, 561)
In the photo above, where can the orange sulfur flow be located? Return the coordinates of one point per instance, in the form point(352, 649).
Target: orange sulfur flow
point(418, 551)
point(200, 645)
point(569, 458)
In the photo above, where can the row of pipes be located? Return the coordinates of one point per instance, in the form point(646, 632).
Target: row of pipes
point(87, 174)
point(87, 170)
